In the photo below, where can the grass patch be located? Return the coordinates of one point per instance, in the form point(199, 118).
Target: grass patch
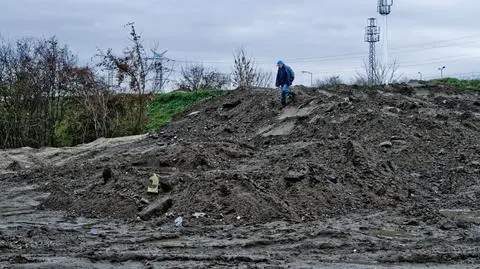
point(166, 105)
point(461, 84)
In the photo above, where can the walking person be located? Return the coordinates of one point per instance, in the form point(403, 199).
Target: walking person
point(285, 77)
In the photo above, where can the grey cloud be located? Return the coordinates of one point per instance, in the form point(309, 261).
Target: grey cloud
point(209, 31)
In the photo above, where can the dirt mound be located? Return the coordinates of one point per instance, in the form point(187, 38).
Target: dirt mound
point(239, 158)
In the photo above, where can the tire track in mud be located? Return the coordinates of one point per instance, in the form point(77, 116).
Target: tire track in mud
point(44, 239)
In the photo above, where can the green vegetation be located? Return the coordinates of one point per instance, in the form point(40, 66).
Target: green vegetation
point(62, 137)
point(78, 125)
point(466, 85)
point(48, 99)
point(167, 105)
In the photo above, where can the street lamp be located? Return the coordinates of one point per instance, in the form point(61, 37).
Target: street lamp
point(420, 74)
point(441, 71)
point(311, 77)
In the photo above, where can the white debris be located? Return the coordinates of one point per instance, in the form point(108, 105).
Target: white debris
point(194, 113)
point(199, 215)
point(179, 222)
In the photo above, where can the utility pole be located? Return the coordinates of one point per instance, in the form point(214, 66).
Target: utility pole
point(384, 8)
point(372, 36)
point(311, 77)
point(441, 71)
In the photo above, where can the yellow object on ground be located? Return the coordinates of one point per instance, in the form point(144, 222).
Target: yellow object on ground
point(153, 188)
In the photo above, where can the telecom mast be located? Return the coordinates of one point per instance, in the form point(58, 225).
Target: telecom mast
point(372, 36)
point(384, 8)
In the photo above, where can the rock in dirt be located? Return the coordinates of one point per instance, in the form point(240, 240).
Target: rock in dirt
point(295, 176)
point(157, 208)
point(332, 178)
point(144, 201)
point(107, 174)
point(14, 166)
point(166, 185)
point(223, 190)
point(386, 144)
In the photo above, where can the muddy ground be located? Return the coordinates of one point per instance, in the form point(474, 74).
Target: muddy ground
point(344, 177)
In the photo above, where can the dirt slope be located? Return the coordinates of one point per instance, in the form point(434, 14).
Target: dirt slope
point(241, 159)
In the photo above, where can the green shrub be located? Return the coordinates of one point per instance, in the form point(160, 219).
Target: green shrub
point(466, 85)
point(62, 136)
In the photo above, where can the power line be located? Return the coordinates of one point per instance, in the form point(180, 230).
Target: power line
point(444, 60)
point(438, 47)
point(351, 56)
point(408, 64)
point(420, 46)
point(360, 56)
point(440, 41)
point(393, 49)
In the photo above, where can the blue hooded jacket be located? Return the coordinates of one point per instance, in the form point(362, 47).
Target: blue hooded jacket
point(285, 75)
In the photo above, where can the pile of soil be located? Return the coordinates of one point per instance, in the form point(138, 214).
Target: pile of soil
point(240, 158)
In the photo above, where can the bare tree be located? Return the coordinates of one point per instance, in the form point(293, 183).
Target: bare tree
point(36, 88)
point(263, 79)
point(195, 77)
point(387, 73)
point(192, 77)
point(382, 73)
point(47, 99)
point(135, 67)
point(247, 74)
point(215, 80)
point(243, 69)
point(94, 97)
point(329, 81)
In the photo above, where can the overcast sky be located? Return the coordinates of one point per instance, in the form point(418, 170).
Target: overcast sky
point(323, 37)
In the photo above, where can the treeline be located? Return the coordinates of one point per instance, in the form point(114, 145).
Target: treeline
point(48, 99)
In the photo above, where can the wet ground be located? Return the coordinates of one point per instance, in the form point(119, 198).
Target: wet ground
point(30, 238)
point(342, 178)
